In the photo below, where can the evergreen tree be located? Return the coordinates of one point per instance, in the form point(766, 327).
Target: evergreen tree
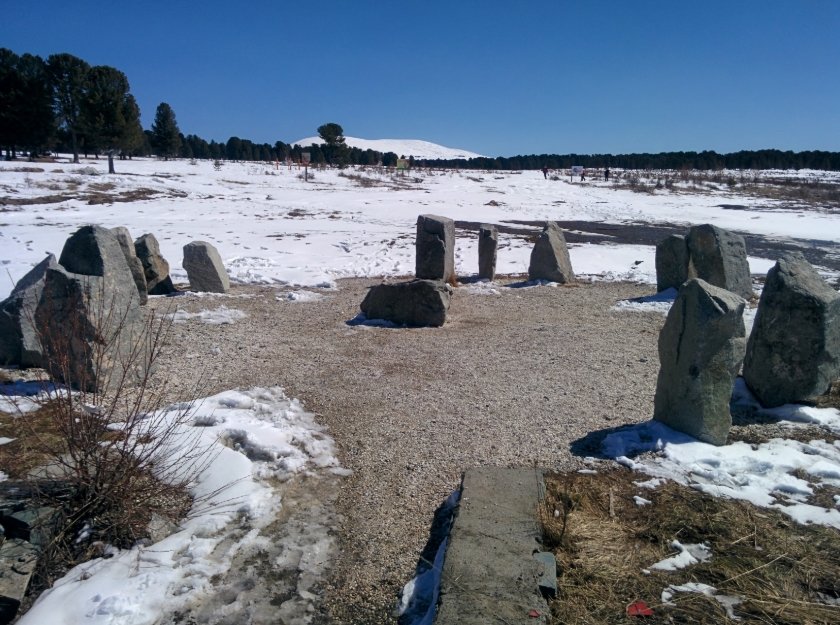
point(68, 82)
point(26, 118)
point(335, 151)
point(106, 112)
point(166, 137)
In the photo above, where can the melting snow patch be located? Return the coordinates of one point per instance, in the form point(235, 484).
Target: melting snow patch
point(660, 302)
point(219, 316)
point(298, 296)
point(687, 556)
point(727, 601)
point(141, 585)
point(641, 501)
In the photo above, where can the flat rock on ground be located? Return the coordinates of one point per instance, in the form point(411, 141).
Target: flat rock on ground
point(511, 380)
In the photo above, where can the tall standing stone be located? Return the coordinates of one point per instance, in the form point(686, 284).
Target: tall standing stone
point(701, 348)
point(720, 258)
point(671, 262)
point(134, 264)
point(155, 267)
point(488, 242)
point(435, 248)
point(204, 268)
point(550, 257)
point(794, 349)
point(89, 315)
point(20, 341)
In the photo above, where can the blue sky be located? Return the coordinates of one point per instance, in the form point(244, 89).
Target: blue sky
point(494, 77)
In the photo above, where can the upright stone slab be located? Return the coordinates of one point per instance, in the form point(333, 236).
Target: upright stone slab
point(720, 258)
point(415, 303)
point(671, 262)
point(89, 314)
point(204, 268)
point(550, 257)
point(794, 349)
point(435, 248)
point(701, 348)
point(488, 242)
point(134, 264)
point(20, 342)
point(155, 267)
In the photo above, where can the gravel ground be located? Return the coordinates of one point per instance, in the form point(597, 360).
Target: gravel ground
point(512, 379)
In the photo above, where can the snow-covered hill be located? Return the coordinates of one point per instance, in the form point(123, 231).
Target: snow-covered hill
point(400, 147)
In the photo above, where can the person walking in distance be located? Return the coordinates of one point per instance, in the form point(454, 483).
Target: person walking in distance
point(545, 172)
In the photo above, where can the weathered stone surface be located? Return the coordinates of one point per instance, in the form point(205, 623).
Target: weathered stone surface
point(90, 318)
point(671, 262)
point(204, 268)
point(155, 267)
point(720, 258)
point(488, 242)
point(134, 264)
point(489, 573)
point(550, 257)
point(793, 352)
point(20, 343)
point(17, 564)
point(435, 248)
point(415, 303)
point(701, 348)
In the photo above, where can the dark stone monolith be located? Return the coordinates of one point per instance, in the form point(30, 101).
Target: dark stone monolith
point(204, 268)
point(155, 267)
point(415, 303)
point(701, 348)
point(720, 258)
point(793, 352)
point(550, 257)
point(488, 242)
point(20, 342)
point(671, 262)
point(435, 248)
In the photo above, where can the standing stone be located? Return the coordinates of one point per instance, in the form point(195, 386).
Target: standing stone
point(134, 264)
point(20, 342)
point(89, 316)
point(488, 242)
point(794, 349)
point(671, 262)
point(550, 257)
point(435, 248)
point(204, 268)
point(720, 258)
point(414, 303)
point(701, 348)
point(155, 267)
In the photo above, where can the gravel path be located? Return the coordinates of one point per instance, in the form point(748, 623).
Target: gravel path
point(512, 379)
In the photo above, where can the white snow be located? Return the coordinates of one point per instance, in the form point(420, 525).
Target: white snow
point(727, 601)
point(216, 316)
point(273, 227)
point(401, 147)
point(687, 555)
point(250, 437)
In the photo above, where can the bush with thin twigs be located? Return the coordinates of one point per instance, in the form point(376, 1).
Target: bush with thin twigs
point(121, 457)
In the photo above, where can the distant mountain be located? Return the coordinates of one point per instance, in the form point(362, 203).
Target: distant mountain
point(400, 147)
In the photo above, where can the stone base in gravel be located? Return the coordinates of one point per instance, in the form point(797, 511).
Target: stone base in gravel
point(490, 573)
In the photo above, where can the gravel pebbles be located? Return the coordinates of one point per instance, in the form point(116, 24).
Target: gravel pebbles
point(514, 378)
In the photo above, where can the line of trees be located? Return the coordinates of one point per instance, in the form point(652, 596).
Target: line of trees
point(64, 104)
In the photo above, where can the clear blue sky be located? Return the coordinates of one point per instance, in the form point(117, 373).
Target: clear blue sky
point(494, 77)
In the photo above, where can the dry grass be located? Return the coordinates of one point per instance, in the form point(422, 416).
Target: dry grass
point(784, 573)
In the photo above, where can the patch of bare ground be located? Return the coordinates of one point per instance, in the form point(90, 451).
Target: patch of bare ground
point(779, 571)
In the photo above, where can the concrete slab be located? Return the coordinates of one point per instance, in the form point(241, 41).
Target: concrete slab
point(490, 574)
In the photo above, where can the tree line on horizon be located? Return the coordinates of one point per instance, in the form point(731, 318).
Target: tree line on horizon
point(63, 104)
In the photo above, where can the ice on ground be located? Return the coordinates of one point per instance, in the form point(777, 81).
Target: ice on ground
point(298, 296)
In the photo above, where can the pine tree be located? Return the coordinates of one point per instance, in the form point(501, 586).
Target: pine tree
point(107, 112)
point(68, 82)
point(166, 135)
